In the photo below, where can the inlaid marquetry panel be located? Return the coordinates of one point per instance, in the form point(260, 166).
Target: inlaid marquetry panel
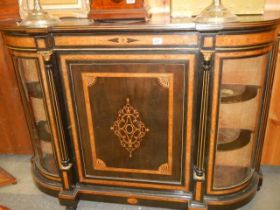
point(129, 119)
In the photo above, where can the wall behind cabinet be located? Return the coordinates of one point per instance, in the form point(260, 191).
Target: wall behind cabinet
point(14, 135)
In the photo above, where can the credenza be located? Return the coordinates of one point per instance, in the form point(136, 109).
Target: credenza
point(167, 113)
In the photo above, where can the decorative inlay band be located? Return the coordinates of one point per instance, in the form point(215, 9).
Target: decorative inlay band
point(129, 128)
point(202, 134)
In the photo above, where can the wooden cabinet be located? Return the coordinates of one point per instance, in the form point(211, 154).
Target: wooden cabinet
point(147, 114)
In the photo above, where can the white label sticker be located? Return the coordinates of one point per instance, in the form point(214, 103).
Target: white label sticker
point(157, 41)
point(130, 1)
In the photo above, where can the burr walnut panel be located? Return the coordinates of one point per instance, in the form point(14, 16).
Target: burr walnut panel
point(243, 40)
point(130, 40)
point(18, 41)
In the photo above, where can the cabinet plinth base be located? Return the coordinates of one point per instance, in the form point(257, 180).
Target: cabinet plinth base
point(169, 199)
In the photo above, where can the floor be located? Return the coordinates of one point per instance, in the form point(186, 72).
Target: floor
point(25, 196)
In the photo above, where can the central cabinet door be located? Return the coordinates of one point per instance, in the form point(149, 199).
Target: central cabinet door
point(131, 117)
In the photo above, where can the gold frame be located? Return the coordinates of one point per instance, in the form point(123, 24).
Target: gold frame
point(65, 8)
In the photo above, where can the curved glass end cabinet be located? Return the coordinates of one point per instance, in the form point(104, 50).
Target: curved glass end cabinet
point(156, 114)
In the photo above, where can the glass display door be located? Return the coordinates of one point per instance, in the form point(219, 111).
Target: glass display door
point(29, 73)
point(239, 81)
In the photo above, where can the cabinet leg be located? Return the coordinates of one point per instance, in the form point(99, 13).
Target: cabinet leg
point(69, 199)
point(72, 207)
point(197, 206)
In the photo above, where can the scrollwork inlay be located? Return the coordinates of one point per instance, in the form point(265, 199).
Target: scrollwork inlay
point(129, 128)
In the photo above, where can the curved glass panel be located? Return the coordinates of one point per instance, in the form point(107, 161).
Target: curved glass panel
point(241, 95)
point(28, 69)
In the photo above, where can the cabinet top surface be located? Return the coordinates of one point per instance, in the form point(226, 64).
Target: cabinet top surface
point(157, 22)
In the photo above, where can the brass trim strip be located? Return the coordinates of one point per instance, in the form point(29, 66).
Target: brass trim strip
point(202, 133)
point(64, 155)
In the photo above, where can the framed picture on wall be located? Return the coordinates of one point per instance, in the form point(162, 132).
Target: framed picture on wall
point(60, 8)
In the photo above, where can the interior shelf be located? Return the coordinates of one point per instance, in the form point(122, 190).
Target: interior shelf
point(231, 139)
point(238, 93)
point(34, 89)
point(43, 130)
